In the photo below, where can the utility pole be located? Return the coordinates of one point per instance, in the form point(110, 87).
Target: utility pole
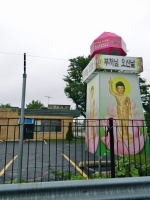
point(22, 123)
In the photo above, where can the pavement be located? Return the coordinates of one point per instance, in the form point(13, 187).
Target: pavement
point(39, 157)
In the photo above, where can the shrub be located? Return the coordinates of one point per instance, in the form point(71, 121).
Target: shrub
point(15, 181)
point(126, 167)
point(69, 135)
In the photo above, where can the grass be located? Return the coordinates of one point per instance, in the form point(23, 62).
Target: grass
point(77, 139)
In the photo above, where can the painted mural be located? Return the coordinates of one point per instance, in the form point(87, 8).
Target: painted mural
point(117, 96)
point(92, 136)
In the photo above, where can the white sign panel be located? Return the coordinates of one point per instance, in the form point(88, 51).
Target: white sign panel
point(120, 63)
point(90, 68)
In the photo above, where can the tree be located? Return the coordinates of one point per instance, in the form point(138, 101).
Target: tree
point(147, 116)
point(75, 89)
point(34, 105)
point(145, 93)
point(7, 105)
point(145, 97)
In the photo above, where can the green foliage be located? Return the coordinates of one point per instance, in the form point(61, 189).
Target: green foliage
point(7, 105)
point(75, 139)
point(126, 167)
point(140, 158)
point(69, 135)
point(145, 169)
point(68, 175)
point(65, 175)
point(145, 93)
point(34, 105)
point(145, 97)
point(142, 164)
point(15, 181)
point(77, 177)
point(75, 89)
point(132, 166)
point(147, 116)
point(98, 176)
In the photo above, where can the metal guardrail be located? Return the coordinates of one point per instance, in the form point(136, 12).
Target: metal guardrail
point(113, 189)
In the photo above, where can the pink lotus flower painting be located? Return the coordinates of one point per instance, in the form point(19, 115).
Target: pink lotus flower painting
point(92, 140)
point(124, 146)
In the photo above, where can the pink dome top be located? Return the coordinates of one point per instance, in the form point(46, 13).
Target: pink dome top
point(107, 34)
point(108, 43)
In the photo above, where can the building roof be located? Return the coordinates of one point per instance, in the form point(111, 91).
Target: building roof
point(51, 112)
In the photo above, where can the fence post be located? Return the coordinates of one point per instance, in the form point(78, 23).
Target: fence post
point(112, 157)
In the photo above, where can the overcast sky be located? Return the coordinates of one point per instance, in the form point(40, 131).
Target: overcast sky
point(62, 29)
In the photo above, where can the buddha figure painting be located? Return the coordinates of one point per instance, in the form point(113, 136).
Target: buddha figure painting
point(125, 108)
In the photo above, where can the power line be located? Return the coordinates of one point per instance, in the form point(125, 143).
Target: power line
point(146, 65)
point(17, 54)
point(48, 57)
point(147, 62)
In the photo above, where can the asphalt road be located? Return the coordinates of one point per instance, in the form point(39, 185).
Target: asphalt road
point(39, 157)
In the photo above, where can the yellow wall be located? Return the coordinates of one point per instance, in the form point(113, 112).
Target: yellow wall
point(6, 118)
point(11, 132)
point(60, 135)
